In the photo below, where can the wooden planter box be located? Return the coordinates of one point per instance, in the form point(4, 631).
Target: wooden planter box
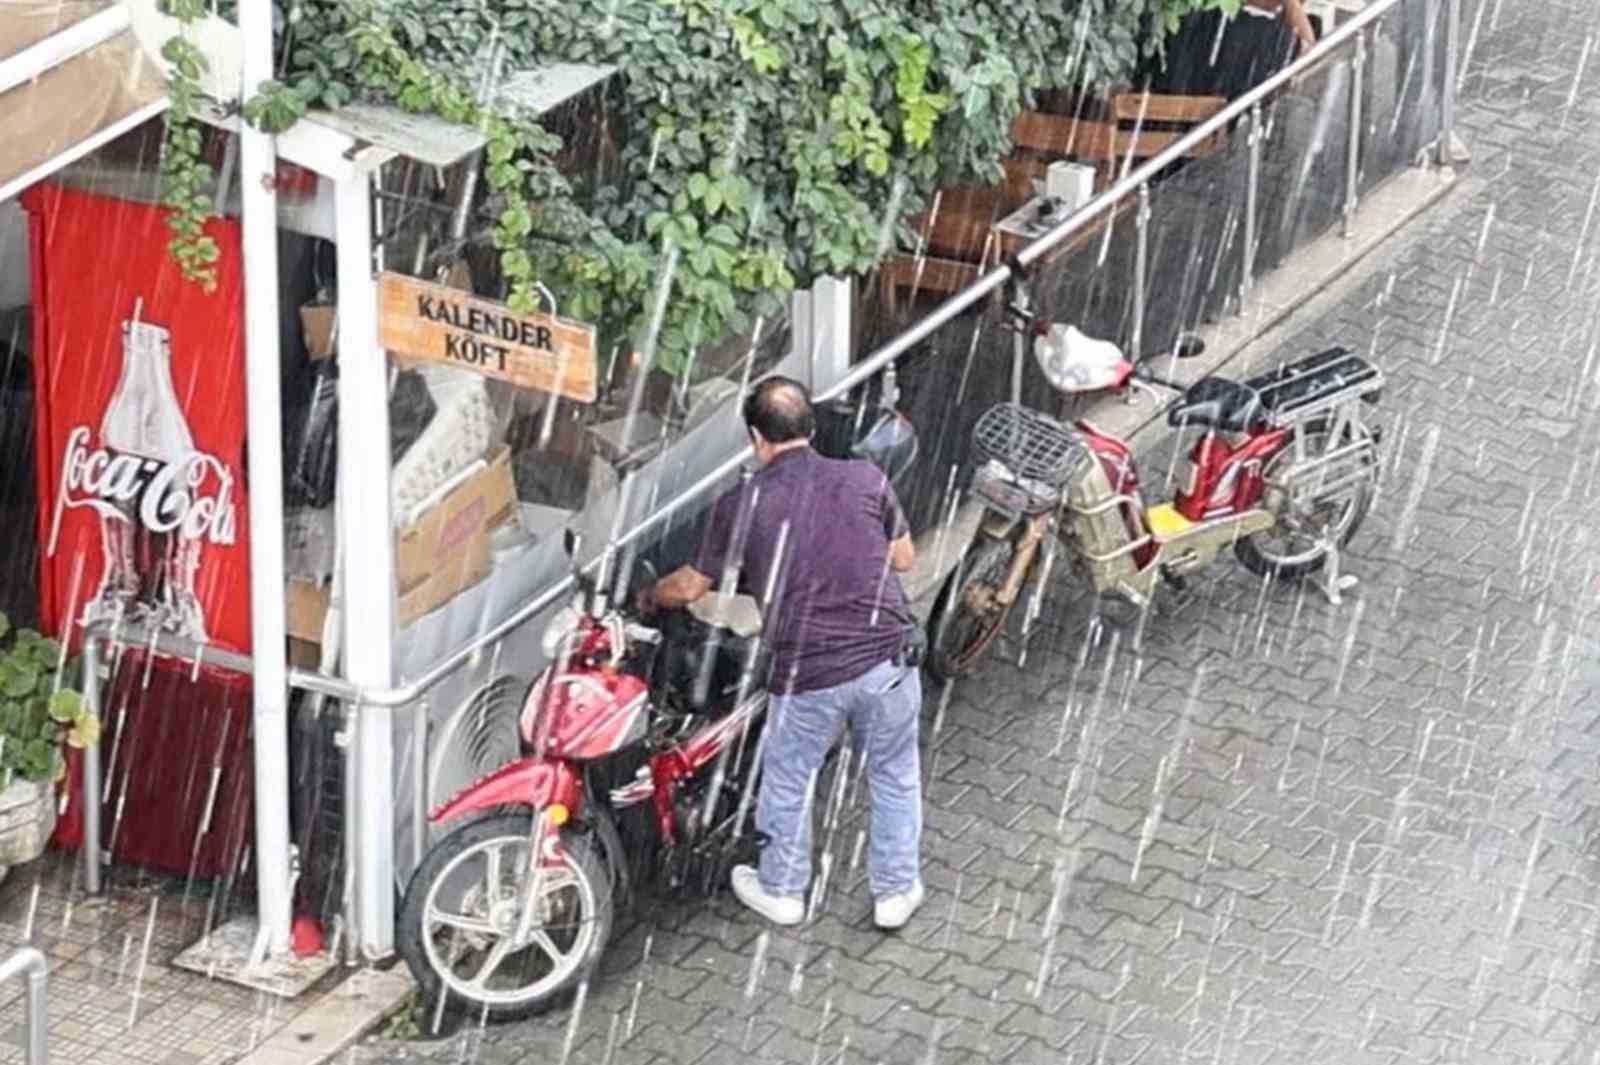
point(959, 234)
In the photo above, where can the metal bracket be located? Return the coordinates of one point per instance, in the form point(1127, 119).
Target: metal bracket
point(1330, 582)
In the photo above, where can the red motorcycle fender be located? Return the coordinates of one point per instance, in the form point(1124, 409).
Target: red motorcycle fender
point(533, 782)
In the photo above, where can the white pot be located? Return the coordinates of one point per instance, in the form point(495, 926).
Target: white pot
point(27, 818)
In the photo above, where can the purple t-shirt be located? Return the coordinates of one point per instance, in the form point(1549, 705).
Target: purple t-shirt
point(809, 538)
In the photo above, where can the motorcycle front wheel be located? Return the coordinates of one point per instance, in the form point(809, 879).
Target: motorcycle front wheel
point(1297, 546)
point(968, 615)
point(459, 921)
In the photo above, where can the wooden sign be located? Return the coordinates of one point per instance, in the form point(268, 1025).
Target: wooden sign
point(432, 323)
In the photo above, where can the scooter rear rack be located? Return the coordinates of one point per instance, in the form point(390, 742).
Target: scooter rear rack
point(1299, 391)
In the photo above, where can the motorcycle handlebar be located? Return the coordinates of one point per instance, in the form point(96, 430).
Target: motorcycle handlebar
point(641, 633)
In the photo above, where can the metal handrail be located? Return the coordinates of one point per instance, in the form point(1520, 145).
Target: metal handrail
point(1134, 183)
point(882, 357)
point(36, 1022)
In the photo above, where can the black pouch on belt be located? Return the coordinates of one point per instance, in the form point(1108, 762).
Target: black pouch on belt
point(913, 647)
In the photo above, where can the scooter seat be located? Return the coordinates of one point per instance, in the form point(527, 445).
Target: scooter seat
point(1075, 362)
point(1218, 403)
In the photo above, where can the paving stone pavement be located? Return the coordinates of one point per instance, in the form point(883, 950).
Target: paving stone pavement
point(1273, 831)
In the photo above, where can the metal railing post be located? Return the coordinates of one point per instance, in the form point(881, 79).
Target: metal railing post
point(38, 1008)
point(1141, 268)
point(1352, 169)
point(419, 781)
point(36, 1019)
point(90, 793)
point(1252, 191)
point(1447, 95)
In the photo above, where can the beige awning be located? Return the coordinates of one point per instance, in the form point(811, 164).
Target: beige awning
point(72, 77)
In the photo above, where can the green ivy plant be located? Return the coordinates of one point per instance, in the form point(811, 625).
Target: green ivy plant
point(185, 178)
point(763, 143)
point(37, 713)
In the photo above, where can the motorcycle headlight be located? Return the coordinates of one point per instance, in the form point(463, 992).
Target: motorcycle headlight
point(559, 628)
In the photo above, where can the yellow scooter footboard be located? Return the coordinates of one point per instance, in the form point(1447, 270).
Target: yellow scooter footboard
point(1164, 521)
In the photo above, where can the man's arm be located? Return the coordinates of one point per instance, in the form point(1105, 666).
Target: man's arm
point(902, 554)
point(1294, 16)
point(690, 581)
point(680, 588)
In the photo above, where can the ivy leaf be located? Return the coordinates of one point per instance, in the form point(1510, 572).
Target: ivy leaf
point(85, 732)
point(36, 757)
point(65, 706)
point(17, 677)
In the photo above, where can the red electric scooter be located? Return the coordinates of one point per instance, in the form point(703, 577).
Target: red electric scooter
point(1283, 473)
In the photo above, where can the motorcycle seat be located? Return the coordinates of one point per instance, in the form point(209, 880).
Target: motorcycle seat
point(1221, 404)
point(704, 662)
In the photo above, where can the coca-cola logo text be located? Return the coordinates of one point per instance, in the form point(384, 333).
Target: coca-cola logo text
point(168, 496)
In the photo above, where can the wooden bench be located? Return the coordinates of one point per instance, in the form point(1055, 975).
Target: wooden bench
point(958, 234)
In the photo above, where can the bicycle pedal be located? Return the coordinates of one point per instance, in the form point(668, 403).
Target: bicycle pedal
point(1174, 580)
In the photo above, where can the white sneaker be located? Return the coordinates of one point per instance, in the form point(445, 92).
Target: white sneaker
point(893, 911)
point(778, 909)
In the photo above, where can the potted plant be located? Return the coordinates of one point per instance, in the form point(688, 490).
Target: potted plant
point(38, 711)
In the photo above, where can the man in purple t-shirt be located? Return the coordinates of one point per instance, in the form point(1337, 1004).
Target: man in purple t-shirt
point(819, 542)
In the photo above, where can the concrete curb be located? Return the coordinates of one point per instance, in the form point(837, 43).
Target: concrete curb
point(333, 1022)
point(1276, 299)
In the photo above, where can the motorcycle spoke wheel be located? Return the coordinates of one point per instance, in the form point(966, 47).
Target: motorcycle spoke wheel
point(462, 919)
point(968, 616)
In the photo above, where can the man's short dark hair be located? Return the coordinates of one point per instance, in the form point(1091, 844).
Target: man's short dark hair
point(779, 408)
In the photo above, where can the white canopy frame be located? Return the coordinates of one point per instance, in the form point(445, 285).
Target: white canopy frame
point(119, 39)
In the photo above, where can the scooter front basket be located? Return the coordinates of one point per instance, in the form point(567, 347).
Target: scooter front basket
point(1031, 446)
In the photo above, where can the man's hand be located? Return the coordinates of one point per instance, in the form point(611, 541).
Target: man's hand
point(679, 588)
point(1295, 17)
point(902, 554)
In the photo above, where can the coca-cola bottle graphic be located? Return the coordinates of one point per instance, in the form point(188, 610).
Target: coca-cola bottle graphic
point(150, 565)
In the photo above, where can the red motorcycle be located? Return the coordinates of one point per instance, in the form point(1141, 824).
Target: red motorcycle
point(639, 768)
point(1283, 473)
point(634, 760)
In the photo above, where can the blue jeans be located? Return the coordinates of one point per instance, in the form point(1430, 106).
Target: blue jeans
point(881, 708)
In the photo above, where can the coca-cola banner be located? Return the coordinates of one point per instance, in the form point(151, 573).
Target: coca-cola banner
point(140, 422)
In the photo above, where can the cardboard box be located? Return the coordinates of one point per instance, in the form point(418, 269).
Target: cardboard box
point(305, 606)
point(443, 553)
point(317, 324)
point(447, 549)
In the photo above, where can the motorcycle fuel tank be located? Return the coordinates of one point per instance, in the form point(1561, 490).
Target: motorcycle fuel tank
point(585, 713)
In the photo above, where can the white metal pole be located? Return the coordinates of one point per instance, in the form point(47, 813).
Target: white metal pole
point(257, 165)
point(368, 539)
point(831, 299)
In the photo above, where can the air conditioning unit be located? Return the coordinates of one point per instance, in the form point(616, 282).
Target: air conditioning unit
point(1071, 183)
